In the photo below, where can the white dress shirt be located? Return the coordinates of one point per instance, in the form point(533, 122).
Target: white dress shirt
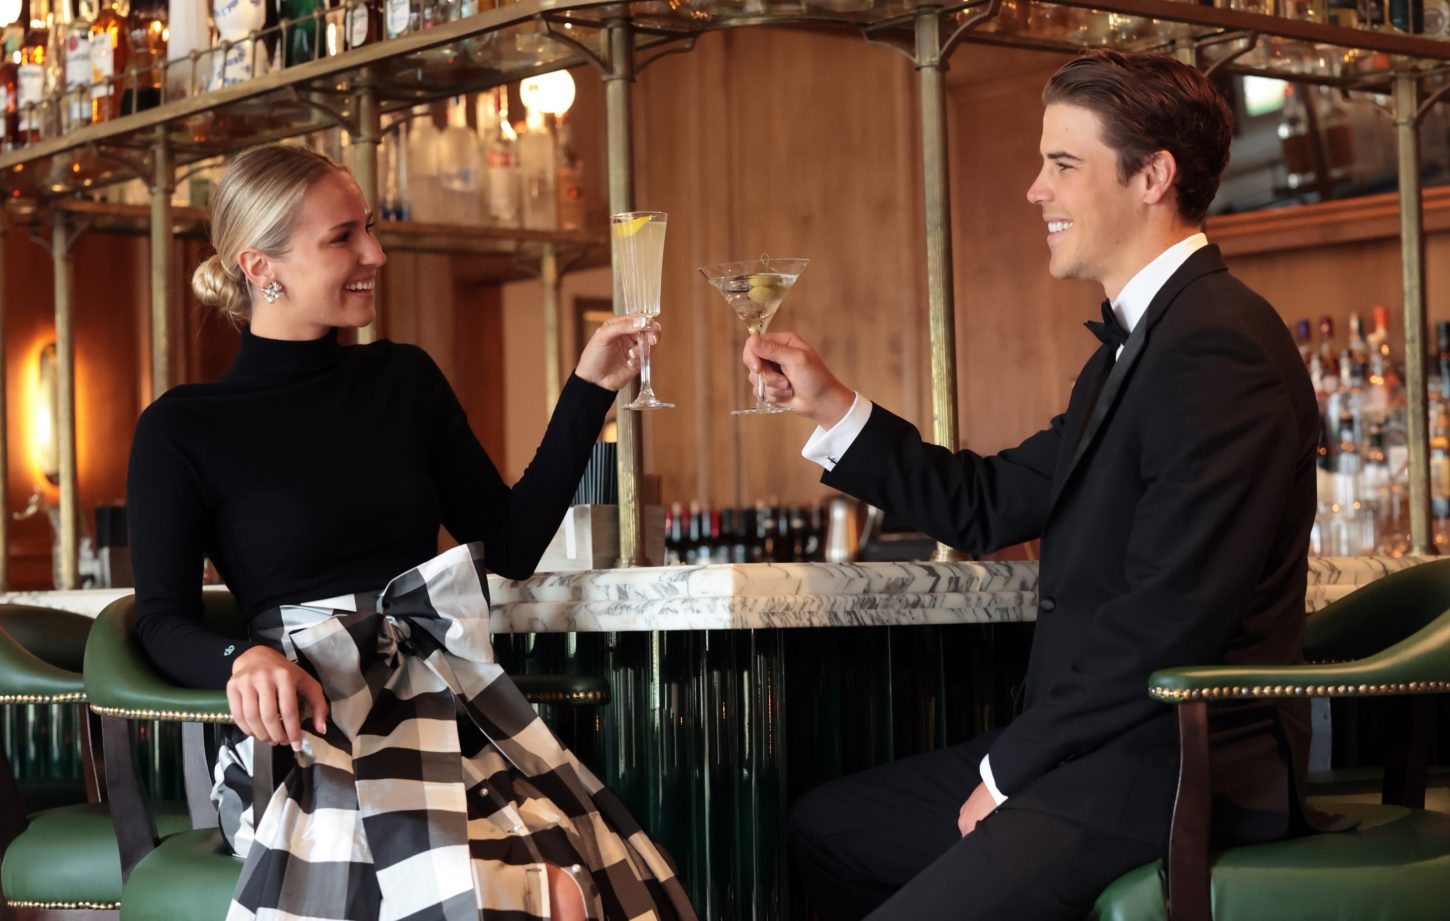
point(827, 446)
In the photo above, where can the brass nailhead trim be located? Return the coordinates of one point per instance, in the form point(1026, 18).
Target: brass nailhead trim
point(66, 906)
point(1178, 695)
point(71, 697)
point(573, 697)
point(170, 715)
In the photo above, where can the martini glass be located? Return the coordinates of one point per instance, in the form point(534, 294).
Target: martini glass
point(754, 290)
point(639, 250)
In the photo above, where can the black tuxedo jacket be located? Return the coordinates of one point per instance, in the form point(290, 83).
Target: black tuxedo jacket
point(1174, 501)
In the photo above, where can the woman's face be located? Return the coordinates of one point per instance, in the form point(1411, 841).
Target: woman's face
point(330, 268)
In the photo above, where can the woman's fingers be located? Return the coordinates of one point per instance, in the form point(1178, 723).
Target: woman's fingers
point(312, 692)
point(287, 711)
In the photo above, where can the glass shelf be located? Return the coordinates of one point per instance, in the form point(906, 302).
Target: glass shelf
point(512, 252)
point(510, 43)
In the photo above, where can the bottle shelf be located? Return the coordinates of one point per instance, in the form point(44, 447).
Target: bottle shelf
point(511, 251)
point(512, 42)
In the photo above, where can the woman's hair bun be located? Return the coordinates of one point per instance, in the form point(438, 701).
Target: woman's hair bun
point(226, 290)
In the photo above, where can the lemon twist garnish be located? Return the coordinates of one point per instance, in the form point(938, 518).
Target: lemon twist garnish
point(630, 227)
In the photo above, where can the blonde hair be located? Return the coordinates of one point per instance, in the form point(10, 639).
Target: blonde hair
point(254, 206)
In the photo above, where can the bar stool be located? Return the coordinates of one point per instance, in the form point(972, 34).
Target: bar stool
point(58, 852)
point(1389, 638)
point(189, 875)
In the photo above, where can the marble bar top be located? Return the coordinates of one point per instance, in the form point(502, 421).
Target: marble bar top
point(770, 595)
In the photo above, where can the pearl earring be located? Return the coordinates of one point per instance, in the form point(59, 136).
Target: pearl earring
point(271, 291)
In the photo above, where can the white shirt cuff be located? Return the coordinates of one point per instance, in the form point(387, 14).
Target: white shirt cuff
point(990, 782)
point(828, 447)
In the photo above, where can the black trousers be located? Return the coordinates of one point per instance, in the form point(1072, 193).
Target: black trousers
point(884, 843)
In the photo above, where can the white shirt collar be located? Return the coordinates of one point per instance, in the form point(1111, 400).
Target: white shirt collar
point(1132, 302)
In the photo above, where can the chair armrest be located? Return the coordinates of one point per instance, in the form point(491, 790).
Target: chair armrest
point(1418, 664)
point(27, 678)
point(121, 681)
point(1384, 611)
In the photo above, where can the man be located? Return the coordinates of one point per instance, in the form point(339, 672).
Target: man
point(1174, 500)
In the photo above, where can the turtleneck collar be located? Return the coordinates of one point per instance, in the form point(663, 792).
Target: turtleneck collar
point(262, 359)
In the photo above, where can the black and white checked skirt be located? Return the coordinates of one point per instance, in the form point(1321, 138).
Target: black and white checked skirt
point(436, 791)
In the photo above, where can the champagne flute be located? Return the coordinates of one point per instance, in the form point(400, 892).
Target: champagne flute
point(639, 249)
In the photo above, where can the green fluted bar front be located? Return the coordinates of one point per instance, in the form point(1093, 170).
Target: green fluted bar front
point(712, 734)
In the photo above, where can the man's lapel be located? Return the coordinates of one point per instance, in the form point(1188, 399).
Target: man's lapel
point(1203, 262)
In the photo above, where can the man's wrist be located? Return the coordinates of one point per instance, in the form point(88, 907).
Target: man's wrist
point(832, 407)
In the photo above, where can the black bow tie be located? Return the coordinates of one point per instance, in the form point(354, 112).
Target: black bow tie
point(1109, 332)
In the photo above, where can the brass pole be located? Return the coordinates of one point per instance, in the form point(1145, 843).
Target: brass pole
point(1412, 283)
point(937, 199)
point(365, 143)
point(65, 373)
point(549, 277)
point(619, 39)
point(163, 183)
point(4, 423)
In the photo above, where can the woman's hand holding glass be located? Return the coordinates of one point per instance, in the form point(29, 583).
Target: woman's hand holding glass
point(611, 357)
point(263, 693)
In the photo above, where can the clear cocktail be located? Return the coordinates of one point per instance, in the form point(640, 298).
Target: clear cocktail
point(639, 250)
point(755, 291)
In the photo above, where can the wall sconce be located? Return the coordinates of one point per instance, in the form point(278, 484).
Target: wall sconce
point(45, 416)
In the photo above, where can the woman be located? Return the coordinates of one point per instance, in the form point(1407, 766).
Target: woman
point(316, 471)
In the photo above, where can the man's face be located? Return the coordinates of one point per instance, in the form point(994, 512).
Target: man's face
point(1090, 215)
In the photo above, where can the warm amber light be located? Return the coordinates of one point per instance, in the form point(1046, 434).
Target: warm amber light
point(44, 416)
point(551, 93)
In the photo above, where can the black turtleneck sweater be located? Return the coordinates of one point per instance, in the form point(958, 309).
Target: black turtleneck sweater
point(311, 470)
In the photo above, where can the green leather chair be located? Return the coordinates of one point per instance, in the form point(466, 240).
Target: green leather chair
point(1390, 638)
point(188, 875)
point(58, 852)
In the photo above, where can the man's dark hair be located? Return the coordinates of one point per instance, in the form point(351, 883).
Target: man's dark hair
point(1147, 103)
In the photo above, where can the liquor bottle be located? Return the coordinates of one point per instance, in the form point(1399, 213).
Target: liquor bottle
point(302, 45)
point(743, 538)
point(694, 536)
point(363, 23)
point(1343, 13)
point(461, 168)
point(1378, 340)
point(1358, 350)
point(569, 181)
point(31, 74)
point(1372, 14)
point(400, 17)
point(1437, 19)
point(674, 534)
point(142, 88)
point(76, 63)
point(394, 166)
point(1376, 471)
point(500, 157)
point(722, 522)
point(1346, 464)
point(1294, 139)
point(425, 196)
point(1304, 338)
point(765, 532)
point(187, 30)
point(537, 171)
point(110, 51)
point(1338, 133)
point(241, 57)
point(1306, 10)
point(1407, 16)
point(9, 90)
point(1326, 340)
